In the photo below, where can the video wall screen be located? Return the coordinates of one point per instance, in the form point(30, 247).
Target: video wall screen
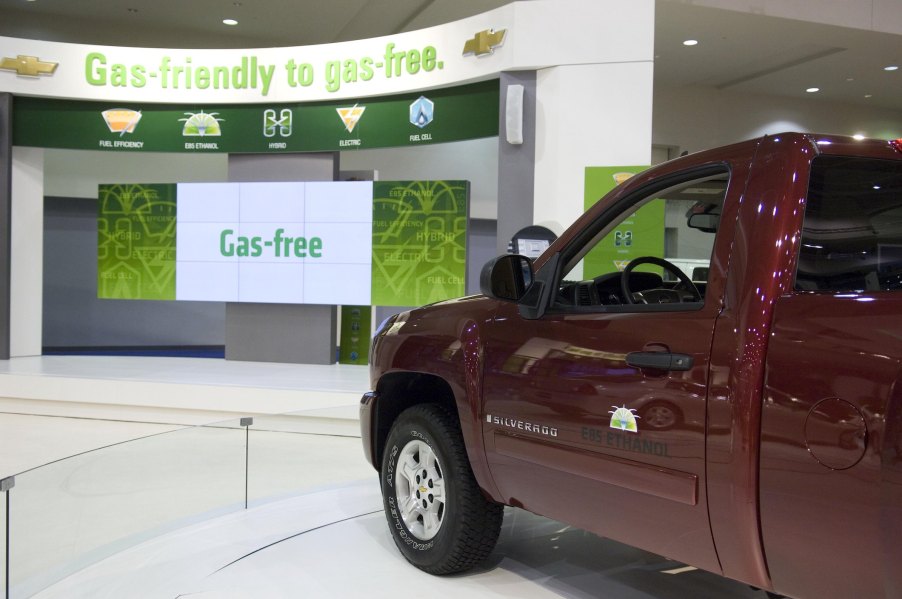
point(387, 243)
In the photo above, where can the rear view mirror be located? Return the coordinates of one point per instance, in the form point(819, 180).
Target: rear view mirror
point(506, 277)
point(706, 222)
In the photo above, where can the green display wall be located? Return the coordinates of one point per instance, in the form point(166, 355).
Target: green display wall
point(419, 241)
point(642, 234)
point(136, 242)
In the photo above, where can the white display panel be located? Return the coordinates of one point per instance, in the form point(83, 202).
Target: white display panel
point(300, 243)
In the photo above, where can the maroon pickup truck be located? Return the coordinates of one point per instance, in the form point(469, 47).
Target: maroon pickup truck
point(744, 417)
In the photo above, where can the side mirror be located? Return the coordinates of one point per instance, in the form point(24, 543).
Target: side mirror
point(506, 277)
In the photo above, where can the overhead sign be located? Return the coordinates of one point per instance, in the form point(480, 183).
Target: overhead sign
point(403, 243)
point(461, 52)
point(370, 67)
point(442, 115)
point(404, 62)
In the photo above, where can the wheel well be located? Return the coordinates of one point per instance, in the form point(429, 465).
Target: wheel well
point(400, 390)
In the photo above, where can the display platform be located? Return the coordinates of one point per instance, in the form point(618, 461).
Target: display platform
point(185, 391)
point(334, 542)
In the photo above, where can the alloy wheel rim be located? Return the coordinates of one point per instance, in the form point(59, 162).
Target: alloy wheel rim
point(420, 490)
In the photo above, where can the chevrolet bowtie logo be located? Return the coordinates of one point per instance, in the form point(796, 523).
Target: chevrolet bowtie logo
point(30, 66)
point(484, 42)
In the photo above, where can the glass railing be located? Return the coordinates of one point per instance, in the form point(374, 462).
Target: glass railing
point(4, 537)
point(64, 516)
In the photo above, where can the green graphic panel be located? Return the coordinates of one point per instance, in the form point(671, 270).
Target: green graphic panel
point(136, 241)
point(641, 234)
point(419, 241)
point(454, 114)
point(355, 334)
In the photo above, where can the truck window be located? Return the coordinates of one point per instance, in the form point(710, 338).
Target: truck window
point(852, 231)
point(674, 228)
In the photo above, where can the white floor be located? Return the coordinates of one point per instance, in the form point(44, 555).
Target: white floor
point(162, 517)
point(335, 543)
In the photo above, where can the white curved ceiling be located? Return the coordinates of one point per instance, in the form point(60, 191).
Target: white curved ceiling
point(737, 51)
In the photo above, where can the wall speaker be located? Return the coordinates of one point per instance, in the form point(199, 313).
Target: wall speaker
point(513, 115)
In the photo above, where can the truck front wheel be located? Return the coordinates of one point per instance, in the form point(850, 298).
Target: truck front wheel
point(438, 517)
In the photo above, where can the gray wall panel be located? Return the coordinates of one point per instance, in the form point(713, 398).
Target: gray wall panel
point(6, 167)
point(516, 163)
point(303, 334)
point(291, 333)
point(483, 239)
point(283, 167)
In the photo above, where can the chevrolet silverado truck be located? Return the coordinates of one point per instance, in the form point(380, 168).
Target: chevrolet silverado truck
point(744, 418)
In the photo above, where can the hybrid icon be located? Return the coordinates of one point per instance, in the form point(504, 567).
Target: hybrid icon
point(277, 123)
point(623, 238)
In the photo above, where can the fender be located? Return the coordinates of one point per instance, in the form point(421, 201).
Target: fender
point(443, 342)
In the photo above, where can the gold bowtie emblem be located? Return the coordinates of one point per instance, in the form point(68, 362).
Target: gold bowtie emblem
point(484, 42)
point(30, 66)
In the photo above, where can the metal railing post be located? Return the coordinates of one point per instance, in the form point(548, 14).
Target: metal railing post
point(5, 485)
point(246, 422)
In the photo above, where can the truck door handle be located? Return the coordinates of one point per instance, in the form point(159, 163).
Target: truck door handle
point(659, 360)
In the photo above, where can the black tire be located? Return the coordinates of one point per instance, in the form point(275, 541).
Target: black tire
point(438, 517)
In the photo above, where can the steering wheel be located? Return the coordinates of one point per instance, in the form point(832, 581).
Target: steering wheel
point(657, 296)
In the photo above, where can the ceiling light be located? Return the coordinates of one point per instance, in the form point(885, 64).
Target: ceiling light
point(869, 95)
point(891, 67)
point(858, 136)
point(229, 22)
point(812, 90)
point(690, 42)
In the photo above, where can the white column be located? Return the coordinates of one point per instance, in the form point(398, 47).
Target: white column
point(587, 115)
point(27, 252)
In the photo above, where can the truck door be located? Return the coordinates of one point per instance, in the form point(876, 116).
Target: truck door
point(830, 439)
point(595, 411)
